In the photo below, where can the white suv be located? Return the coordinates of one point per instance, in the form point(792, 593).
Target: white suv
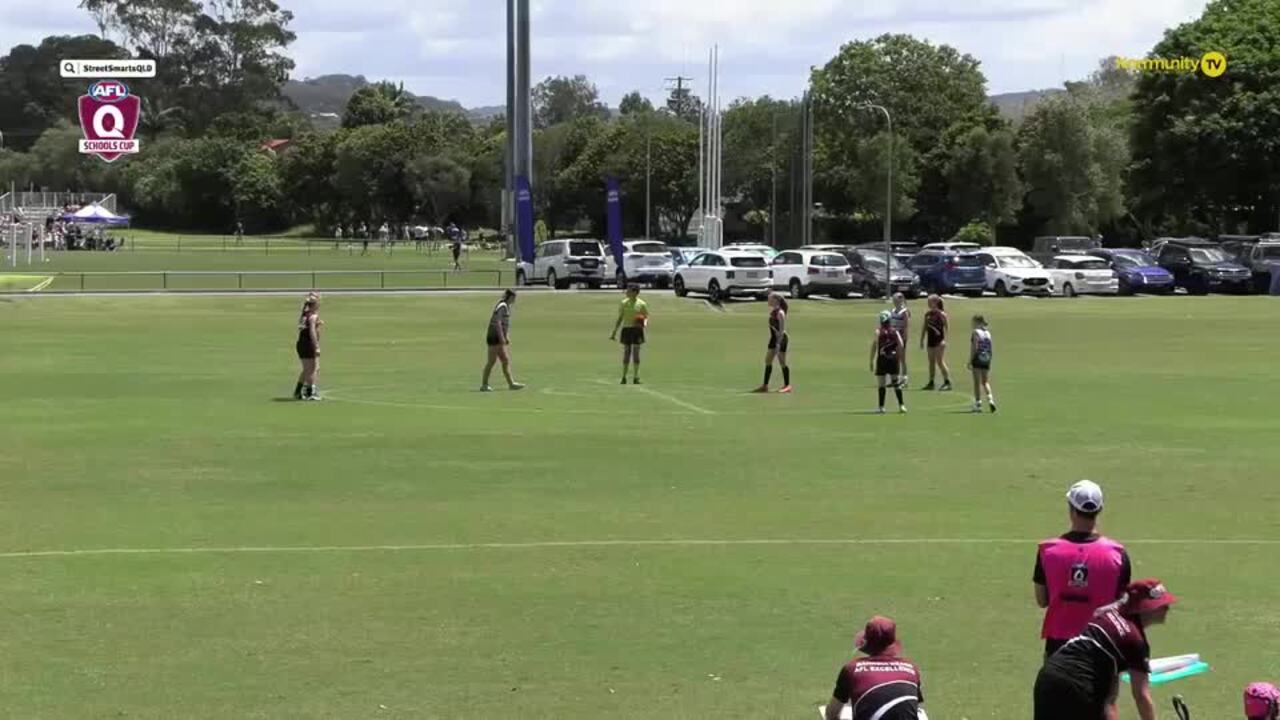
point(560, 263)
point(644, 261)
point(808, 272)
point(1011, 272)
point(724, 274)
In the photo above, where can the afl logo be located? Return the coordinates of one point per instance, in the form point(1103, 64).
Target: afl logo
point(109, 91)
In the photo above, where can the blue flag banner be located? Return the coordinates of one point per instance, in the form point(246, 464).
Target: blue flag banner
point(613, 219)
point(524, 219)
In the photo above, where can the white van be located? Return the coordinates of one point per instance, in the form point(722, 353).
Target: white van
point(561, 263)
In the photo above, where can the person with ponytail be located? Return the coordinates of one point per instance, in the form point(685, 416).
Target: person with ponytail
point(498, 338)
point(886, 356)
point(934, 332)
point(308, 348)
point(1081, 680)
point(779, 341)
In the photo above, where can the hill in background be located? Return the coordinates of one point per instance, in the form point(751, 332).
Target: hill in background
point(1017, 105)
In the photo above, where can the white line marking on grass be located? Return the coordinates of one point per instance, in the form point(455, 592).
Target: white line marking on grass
point(47, 282)
point(572, 544)
point(663, 396)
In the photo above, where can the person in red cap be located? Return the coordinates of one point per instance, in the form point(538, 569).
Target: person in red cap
point(1081, 680)
point(883, 685)
point(1261, 701)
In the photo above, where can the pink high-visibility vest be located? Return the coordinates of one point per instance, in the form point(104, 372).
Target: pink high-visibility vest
point(1080, 578)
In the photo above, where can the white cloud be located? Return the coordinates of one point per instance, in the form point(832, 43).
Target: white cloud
point(455, 48)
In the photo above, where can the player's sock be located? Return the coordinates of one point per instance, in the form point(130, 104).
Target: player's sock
point(786, 375)
point(768, 373)
point(881, 393)
point(897, 391)
point(297, 390)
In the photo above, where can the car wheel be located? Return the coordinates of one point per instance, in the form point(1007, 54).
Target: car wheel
point(1068, 290)
point(521, 280)
point(551, 279)
point(1125, 287)
point(796, 289)
point(1001, 289)
point(678, 286)
point(713, 291)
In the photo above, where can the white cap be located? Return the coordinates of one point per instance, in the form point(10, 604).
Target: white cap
point(1085, 496)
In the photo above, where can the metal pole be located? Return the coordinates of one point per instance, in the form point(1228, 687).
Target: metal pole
point(508, 192)
point(524, 125)
point(702, 126)
point(648, 178)
point(773, 183)
point(888, 201)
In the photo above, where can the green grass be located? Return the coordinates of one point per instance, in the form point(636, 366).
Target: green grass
point(153, 423)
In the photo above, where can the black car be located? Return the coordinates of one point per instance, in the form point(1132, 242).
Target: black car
point(1201, 267)
point(903, 250)
point(867, 268)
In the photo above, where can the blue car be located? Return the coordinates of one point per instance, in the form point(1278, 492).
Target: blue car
point(1137, 270)
point(947, 271)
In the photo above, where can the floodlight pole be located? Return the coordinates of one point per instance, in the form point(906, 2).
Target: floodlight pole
point(888, 204)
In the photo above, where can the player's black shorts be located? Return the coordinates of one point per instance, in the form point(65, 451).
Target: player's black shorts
point(1051, 646)
point(780, 345)
point(492, 339)
point(934, 340)
point(886, 365)
point(306, 351)
point(979, 363)
point(632, 336)
point(1058, 697)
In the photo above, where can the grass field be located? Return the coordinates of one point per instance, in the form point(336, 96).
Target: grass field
point(414, 549)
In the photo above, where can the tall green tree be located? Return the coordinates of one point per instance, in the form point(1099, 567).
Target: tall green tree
point(1072, 169)
point(982, 177)
point(440, 184)
point(757, 136)
point(1206, 151)
point(561, 99)
point(34, 96)
point(633, 103)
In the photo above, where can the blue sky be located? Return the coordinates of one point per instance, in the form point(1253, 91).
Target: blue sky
point(454, 48)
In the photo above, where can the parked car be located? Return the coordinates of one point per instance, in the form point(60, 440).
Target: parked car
point(1137, 270)
point(1238, 247)
point(757, 248)
point(647, 262)
point(560, 263)
point(1083, 275)
point(1262, 259)
point(722, 274)
point(1046, 248)
point(1201, 267)
point(867, 269)
point(680, 256)
point(1009, 271)
point(903, 250)
point(953, 246)
point(808, 272)
point(946, 271)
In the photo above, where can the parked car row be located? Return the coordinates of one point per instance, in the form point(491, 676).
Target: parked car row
point(1067, 266)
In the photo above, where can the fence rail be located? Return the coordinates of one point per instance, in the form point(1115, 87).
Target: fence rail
point(282, 280)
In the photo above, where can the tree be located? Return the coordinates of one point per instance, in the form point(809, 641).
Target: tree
point(682, 103)
point(35, 97)
point(560, 99)
point(982, 177)
point(440, 184)
point(307, 176)
point(634, 103)
point(373, 105)
point(756, 135)
point(1206, 151)
point(975, 232)
point(1072, 176)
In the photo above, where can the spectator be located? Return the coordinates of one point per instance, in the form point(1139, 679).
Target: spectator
point(883, 685)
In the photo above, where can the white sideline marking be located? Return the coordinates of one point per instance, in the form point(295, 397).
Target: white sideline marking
point(47, 282)
point(663, 396)
point(571, 544)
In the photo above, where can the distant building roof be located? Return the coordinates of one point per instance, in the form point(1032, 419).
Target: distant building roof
point(275, 145)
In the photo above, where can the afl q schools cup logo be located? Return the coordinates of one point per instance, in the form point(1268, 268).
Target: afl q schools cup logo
point(109, 119)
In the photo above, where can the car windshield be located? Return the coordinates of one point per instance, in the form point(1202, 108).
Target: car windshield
point(747, 261)
point(1208, 255)
point(1134, 259)
point(1270, 253)
point(1017, 261)
point(831, 260)
point(649, 248)
point(872, 260)
point(967, 261)
point(585, 248)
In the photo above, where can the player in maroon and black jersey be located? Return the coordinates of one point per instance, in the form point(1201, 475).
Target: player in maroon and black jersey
point(1081, 680)
point(886, 355)
point(881, 686)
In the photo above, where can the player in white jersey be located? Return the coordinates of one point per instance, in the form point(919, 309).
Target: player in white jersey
point(981, 353)
point(900, 320)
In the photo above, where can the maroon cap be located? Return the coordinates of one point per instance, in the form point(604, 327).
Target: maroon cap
point(879, 637)
point(1146, 596)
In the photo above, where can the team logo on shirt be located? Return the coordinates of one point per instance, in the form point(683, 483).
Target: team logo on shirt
point(1079, 575)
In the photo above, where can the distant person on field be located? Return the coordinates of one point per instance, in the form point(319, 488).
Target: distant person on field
point(779, 343)
point(239, 232)
point(455, 245)
point(1082, 679)
point(881, 686)
point(981, 353)
point(308, 348)
point(498, 339)
point(934, 334)
point(900, 319)
point(1262, 702)
point(633, 317)
point(886, 349)
point(1078, 572)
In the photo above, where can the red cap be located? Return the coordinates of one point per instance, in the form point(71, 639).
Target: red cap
point(1261, 701)
point(1145, 596)
point(879, 637)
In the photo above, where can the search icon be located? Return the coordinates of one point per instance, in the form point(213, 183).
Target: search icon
point(69, 69)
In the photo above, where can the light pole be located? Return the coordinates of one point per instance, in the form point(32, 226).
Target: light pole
point(888, 204)
point(648, 174)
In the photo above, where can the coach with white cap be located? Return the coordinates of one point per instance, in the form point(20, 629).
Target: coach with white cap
point(1078, 572)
